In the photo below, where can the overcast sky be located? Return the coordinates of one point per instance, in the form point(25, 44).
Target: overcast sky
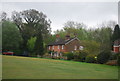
point(90, 13)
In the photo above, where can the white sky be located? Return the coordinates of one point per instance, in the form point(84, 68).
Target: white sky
point(90, 13)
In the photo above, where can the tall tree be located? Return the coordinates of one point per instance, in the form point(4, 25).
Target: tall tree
point(28, 22)
point(3, 16)
point(11, 38)
point(116, 33)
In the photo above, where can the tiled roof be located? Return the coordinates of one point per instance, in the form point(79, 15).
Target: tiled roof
point(117, 42)
point(60, 42)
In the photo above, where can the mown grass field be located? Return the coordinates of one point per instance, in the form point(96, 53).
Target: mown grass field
point(39, 68)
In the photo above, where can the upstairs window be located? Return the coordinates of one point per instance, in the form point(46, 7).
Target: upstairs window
point(62, 46)
point(58, 47)
point(49, 47)
point(52, 47)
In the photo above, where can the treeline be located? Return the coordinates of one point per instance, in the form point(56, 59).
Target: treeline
point(97, 42)
point(95, 39)
point(28, 32)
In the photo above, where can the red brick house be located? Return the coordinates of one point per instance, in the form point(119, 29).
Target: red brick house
point(65, 45)
point(116, 46)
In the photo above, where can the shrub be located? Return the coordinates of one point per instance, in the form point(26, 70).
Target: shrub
point(17, 52)
point(76, 56)
point(69, 55)
point(118, 59)
point(111, 62)
point(103, 57)
point(46, 55)
point(82, 56)
point(49, 52)
point(64, 57)
point(114, 56)
point(90, 59)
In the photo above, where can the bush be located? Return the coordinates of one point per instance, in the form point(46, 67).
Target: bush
point(111, 62)
point(114, 56)
point(69, 55)
point(17, 52)
point(32, 55)
point(49, 52)
point(82, 56)
point(90, 59)
point(103, 57)
point(76, 56)
point(46, 55)
point(118, 60)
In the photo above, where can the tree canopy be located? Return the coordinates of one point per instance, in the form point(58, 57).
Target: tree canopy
point(32, 23)
point(11, 37)
point(116, 33)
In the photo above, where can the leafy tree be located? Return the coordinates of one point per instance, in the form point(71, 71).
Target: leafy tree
point(39, 48)
point(101, 35)
point(75, 29)
point(30, 23)
point(111, 24)
point(90, 59)
point(105, 38)
point(91, 47)
point(31, 44)
point(1, 36)
point(103, 57)
point(11, 37)
point(3, 16)
point(69, 55)
point(116, 33)
point(72, 24)
point(82, 55)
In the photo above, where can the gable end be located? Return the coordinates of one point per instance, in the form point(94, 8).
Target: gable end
point(72, 40)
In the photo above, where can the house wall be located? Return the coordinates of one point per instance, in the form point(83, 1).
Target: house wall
point(56, 48)
point(67, 48)
point(116, 49)
point(71, 46)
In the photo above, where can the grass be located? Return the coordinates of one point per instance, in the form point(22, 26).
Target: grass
point(15, 67)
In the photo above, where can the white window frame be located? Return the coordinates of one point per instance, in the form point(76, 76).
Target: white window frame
point(49, 47)
point(81, 47)
point(62, 46)
point(52, 47)
point(58, 46)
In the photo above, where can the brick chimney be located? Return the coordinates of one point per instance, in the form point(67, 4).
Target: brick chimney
point(57, 37)
point(67, 37)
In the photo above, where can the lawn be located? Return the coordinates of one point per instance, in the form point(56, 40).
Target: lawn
point(15, 67)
